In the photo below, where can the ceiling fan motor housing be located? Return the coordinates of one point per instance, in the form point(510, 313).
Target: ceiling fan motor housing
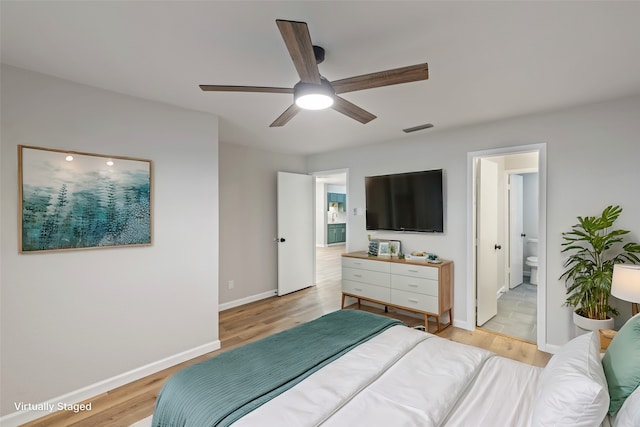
point(318, 53)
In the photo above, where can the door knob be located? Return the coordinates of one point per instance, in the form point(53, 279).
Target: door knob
point(281, 239)
point(497, 246)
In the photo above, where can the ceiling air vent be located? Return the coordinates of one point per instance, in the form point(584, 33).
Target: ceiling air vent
point(416, 128)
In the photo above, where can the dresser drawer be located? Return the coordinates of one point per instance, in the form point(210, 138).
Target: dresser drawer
point(366, 264)
point(413, 270)
point(366, 276)
point(415, 284)
point(414, 301)
point(364, 290)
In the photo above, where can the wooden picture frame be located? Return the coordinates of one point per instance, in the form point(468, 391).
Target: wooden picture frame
point(70, 200)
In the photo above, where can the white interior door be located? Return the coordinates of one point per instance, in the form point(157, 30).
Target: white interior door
point(488, 247)
point(296, 245)
point(516, 233)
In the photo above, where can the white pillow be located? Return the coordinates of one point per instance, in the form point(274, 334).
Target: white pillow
point(629, 413)
point(573, 390)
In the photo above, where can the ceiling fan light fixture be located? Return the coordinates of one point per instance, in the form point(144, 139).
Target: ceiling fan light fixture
point(314, 101)
point(312, 96)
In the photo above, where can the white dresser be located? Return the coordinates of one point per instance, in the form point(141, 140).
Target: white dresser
point(408, 285)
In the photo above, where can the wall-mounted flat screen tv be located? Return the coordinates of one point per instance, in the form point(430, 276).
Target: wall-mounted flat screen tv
point(405, 202)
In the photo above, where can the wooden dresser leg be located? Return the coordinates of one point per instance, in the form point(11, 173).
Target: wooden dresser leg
point(438, 323)
point(358, 303)
point(342, 300)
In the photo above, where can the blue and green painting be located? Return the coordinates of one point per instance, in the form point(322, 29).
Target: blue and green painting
point(74, 201)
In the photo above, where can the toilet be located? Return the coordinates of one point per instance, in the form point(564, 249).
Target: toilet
point(532, 261)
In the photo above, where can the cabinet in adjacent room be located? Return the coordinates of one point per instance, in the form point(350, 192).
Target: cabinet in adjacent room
point(339, 198)
point(336, 233)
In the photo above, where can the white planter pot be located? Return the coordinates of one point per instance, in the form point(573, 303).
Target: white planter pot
point(584, 324)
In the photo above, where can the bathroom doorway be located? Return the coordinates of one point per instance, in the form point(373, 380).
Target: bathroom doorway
point(506, 300)
point(517, 310)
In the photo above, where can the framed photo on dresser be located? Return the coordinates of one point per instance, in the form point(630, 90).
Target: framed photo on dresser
point(384, 250)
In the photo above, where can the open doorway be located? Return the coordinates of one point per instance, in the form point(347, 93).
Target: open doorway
point(331, 224)
point(507, 222)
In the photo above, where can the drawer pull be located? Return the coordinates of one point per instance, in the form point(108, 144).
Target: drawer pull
point(415, 301)
point(357, 263)
point(411, 285)
point(357, 275)
point(412, 271)
point(358, 289)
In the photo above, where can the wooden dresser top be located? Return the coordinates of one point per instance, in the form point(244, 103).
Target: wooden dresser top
point(365, 255)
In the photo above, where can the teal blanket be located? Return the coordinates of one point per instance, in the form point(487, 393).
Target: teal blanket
point(220, 390)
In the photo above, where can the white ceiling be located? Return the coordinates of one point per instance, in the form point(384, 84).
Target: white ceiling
point(487, 60)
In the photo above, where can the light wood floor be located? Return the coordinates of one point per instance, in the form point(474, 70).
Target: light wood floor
point(127, 404)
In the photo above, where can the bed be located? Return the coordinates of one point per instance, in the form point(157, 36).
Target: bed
point(354, 368)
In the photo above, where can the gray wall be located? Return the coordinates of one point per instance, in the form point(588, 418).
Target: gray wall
point(592, 161)
point(71, 319)
point(530, 213)
point(248, 221)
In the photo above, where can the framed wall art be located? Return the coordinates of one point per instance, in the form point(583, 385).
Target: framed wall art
point(71, 200)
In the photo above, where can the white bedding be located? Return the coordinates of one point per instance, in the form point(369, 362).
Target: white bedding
point(405, 377)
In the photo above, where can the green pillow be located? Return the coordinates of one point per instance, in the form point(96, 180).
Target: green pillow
point(621, 363)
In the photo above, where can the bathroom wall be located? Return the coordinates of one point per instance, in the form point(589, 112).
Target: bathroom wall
point(530, 214)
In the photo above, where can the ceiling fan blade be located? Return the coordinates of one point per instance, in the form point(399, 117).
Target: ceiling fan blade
point(383, 78)
point(351, 110)
point(298, 41)
point(221, 88)
point(286, 116)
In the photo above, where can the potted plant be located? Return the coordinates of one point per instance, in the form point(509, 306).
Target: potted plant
point(593, 249)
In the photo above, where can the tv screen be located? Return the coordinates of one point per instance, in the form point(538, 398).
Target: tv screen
point(405, 202)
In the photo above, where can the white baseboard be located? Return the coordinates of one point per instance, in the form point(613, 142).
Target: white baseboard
point(18, 418)
point(246, 300)
point(463, 325)
point(550, 348)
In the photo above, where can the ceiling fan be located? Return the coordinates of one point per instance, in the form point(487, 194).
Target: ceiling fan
point(313, 91)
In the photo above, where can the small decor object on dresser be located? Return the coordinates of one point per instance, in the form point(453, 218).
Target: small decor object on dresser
point(384, 250)
point(373, 248)
point(394, 247)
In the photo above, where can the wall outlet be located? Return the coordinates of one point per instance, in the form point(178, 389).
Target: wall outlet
point(231, 284)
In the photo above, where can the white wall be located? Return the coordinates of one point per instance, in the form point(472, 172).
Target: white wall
point(72, 319)
point(321, 214)
point(530, 213)
point(592, 161)
point(335, 188)
point(248, 221)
